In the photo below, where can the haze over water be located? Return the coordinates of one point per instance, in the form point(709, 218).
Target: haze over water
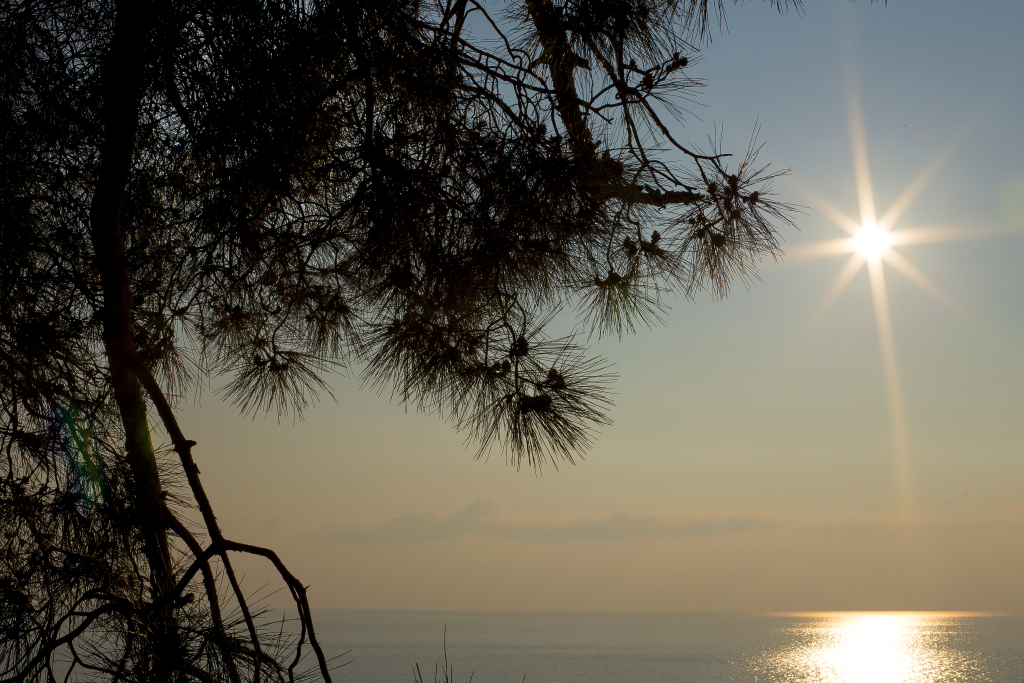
point(844, 647)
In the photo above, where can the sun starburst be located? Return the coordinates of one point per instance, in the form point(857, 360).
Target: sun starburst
point(873, 242)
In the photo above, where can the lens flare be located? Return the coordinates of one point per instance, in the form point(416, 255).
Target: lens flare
point(75, 448)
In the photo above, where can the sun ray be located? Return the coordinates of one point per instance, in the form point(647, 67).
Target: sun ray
point(907, 197)
point(897, 412)
point(821, 249)
point(848, 224)
point(928, 285)
point(934, 165)
point(858, 143)
point(839, 285)
point(926, 234)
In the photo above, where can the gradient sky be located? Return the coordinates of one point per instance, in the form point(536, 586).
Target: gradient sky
point(751, 464)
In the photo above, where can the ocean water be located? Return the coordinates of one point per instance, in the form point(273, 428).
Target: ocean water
point(614, 647)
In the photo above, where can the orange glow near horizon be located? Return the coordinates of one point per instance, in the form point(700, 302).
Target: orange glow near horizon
point(925, 614)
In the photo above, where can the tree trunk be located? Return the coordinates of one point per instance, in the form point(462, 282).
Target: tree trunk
point(121, 88)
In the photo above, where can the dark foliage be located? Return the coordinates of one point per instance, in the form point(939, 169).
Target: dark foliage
point(270, 190)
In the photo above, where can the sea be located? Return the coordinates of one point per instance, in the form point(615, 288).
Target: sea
point(396, 646)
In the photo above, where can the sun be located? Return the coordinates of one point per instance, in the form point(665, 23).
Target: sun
point(872, 242)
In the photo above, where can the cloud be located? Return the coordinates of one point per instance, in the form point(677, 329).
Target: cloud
point(480, 519)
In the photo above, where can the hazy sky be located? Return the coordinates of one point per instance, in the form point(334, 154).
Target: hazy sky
point(751, 465)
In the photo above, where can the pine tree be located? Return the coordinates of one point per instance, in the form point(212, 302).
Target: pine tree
point(269, 190)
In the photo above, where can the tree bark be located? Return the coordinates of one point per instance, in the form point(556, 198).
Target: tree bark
point(562, 62)
point(121, 89)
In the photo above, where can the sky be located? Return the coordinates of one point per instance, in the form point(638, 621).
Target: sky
point(757, 461)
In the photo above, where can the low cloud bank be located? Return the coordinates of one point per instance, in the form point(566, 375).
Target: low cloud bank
point(480, 519)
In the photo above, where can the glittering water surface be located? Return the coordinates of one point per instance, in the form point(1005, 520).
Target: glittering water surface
point(591, 647)
point(889, 648)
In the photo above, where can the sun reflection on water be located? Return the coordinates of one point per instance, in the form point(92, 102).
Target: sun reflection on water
point(871, 647)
